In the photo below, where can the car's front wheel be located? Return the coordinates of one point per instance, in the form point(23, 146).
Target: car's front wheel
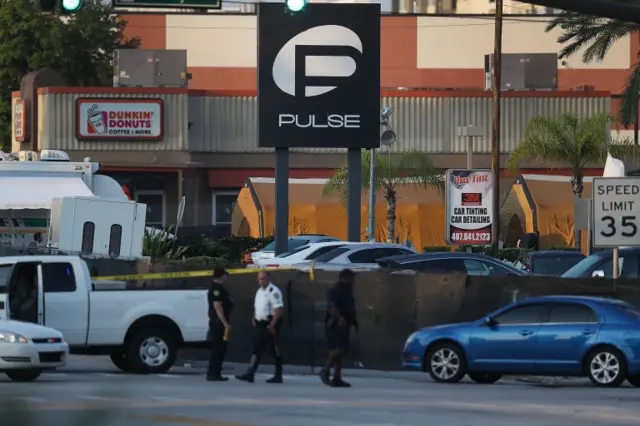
point(446, 363)
point(606, 367)
point(26, 375)
point(484, 378)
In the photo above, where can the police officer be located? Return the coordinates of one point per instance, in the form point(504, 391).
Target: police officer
point(341, 316)
point(220, 307)
point(268, 309)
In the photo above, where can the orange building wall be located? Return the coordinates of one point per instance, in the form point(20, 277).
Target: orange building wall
point(399, 67)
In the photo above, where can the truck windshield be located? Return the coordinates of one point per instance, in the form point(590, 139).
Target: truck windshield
point(5, 275)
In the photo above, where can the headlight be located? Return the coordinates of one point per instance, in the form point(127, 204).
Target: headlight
point(9, 337)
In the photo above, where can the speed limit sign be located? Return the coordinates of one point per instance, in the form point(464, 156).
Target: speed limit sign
point(616, 212)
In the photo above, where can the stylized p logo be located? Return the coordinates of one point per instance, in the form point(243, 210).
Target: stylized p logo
point(311, 62)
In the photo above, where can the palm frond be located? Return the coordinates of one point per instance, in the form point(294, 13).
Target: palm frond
point(337, 184)
point(414, 166)
point(566, 139)
point(594, 35)
point(629, 104)
point(410, 166)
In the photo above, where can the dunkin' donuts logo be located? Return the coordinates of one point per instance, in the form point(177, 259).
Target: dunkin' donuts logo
point(124, 122)
point(120, 120)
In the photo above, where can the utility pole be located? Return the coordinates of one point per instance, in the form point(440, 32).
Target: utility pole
point(495, 134)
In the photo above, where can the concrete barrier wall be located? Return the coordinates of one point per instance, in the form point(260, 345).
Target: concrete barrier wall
point(390, 307)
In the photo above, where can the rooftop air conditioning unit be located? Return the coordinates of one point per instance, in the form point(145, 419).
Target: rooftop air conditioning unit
point(53, 155)
point(27, 156)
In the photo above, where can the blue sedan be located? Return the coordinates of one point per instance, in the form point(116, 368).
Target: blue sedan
point(546, 336)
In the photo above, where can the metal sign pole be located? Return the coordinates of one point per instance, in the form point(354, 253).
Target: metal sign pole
point(616, 266)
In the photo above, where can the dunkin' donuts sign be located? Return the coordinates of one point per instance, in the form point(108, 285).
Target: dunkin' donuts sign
point(119, 119)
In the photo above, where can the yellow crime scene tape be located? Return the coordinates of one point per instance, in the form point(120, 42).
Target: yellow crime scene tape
point(188, 274)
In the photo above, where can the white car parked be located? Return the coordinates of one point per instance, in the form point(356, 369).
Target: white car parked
point(304, 253)
point(294, 242)
point(26, 350)
point(356, 256)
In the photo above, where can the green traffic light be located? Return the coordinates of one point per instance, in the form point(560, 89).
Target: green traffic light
point(296, 5)
point(71, 5)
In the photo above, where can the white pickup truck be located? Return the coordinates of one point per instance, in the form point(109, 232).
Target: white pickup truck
point(141, 330)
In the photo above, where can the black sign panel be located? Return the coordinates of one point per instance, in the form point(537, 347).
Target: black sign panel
point(319, 76)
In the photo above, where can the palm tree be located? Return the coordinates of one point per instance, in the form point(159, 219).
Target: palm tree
point(596, 35)
point(407, 167)
point(571, 141)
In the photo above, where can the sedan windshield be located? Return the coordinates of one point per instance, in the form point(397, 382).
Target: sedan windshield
point(583, 267)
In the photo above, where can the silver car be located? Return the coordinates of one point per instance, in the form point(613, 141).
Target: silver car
point(294, 242)
point(362, 256)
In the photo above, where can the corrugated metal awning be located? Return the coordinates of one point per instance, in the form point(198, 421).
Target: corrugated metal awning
point(20, 193)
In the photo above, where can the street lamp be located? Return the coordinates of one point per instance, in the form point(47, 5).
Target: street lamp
point(387, 138)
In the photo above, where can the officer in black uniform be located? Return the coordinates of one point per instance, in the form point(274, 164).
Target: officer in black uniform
point(341, 316)
point(268, 308)
point(220, 307)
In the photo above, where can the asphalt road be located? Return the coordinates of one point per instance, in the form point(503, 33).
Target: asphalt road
point(94, 388)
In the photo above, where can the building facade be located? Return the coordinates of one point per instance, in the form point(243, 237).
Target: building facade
point(162, 144)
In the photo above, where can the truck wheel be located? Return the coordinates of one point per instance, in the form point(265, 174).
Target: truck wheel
point(28, 375)
point(151, 351)
point(119, 359)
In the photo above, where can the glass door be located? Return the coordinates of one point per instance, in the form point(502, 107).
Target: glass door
point(156, 207)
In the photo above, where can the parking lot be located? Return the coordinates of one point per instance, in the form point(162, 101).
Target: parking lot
point(402, 399)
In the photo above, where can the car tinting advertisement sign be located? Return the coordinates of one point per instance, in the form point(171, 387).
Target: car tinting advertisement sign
point(119, 119)
point(469, 207)
point(319, 76)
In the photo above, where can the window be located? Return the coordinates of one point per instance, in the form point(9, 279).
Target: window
point(115, 240)
point(476, 268)
point(292, 244)
point(524, 314)
point(627, 267)
point(5, 276)
point(58, 278)
point(223, 203)
point(321, 251)
point(365, 256)
point(88, 232)
point(292, 252)
point(156, 208)
point(479, 268)
point(329, 256)
point(372, 255)
point(439, 266)
point(553, 265)
point(571, 313)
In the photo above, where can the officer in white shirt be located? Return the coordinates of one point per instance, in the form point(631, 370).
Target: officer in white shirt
point(268, 308)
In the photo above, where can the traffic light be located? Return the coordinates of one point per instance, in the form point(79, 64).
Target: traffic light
point(296, 5)
point(63, 7)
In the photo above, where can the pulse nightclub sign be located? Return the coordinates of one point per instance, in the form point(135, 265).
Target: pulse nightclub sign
point(319, 76)
point(469, 207)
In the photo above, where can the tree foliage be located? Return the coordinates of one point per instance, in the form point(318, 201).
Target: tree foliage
point(391, 170)
point(80, 47)
point(596, 35)
point(568, 140)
